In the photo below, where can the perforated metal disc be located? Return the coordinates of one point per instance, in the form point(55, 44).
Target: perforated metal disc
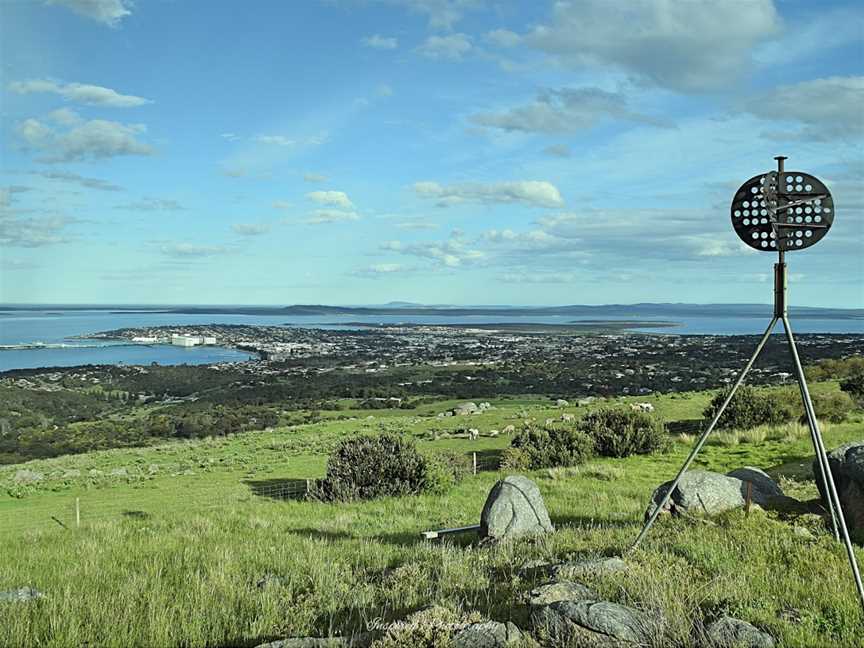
point(788, 212)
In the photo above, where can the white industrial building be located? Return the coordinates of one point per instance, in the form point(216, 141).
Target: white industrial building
point(191, 340)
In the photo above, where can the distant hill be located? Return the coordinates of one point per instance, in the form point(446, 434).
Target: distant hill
point(633, 311)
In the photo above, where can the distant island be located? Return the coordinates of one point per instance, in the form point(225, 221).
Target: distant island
point(629, 311)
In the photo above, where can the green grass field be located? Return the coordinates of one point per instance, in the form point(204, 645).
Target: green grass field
point(171, 547)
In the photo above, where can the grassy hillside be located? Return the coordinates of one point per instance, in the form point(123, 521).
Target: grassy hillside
point(171, 547)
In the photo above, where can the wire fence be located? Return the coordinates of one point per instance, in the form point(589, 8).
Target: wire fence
point(65, 511)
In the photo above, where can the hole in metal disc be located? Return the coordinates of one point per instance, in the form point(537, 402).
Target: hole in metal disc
point(808, 219)
point(808, 233)
point(765, 244)
point(788, 187)
point(764, 221)
point(807, 210)
point(817, 219)
point(764, 212)
point(798, 179)
point(755, 235)
point(746, 203)
point(789, 179)
point(798, 187)
point(754, 190)
point(764, 235)
point(746, 221)
point(798, 234)
point(798, 243)
point(808, 187)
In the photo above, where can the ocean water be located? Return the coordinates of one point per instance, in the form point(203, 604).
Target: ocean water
point(57, 330)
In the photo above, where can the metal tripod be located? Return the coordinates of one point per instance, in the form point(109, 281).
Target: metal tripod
point(838, 523)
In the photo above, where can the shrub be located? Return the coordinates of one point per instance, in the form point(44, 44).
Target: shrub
point(833, 407)
point(444, 470)
point(748, 408)
point(854, 385)
point(623, 432)
point(536, 447)
point(367, 467)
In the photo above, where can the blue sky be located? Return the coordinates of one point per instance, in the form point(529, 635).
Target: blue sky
point(437, 151)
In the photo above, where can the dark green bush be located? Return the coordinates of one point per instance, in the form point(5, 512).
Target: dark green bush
point(367, 467)
point(750, 408)
point(620, 432)
point(854, 386)
point(548, 447)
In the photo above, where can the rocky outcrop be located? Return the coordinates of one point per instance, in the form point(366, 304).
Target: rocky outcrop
point(735, 633)
point(594, 623)
point(514, 508)
point(847, 468)
point(706, 493)
point(556, 591)
point(487, 634)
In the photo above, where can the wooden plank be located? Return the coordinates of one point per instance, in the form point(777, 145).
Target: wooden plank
point(431, 535)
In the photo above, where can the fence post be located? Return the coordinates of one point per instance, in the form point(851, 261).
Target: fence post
point(474, 461)
point(77, 513)
point(308, 486)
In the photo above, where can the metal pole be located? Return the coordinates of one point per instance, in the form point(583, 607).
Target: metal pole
point(831, 488)
point(780, 283)
point(704, 436)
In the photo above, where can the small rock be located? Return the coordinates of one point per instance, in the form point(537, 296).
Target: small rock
point(594, 623)
point(27, 476)
point(803, 532)
point(69, 474)
point(488, 634)
point(560, 591)
point(588, 567)
point(119, 472)
point(561, 403)
point(20, 595)
point(513, 508)
point(735, 633)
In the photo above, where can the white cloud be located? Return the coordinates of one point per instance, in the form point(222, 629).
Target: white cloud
point(824, 108)
point(324, 216)
point(332, 198)
point(452, 253)
point(532, 192)
point(695, 45)
point(382, 269)
point(314, 177)
point(449, 48)
point(565, 111)
point(82, 93)
point(18, 231)
point(417, 224)
point(89, 183)
point(442, 14)
point(87, 140)
point(191, 251)
point(380, 42)
point(153, 204)
point(250, 229)
point(503, 38)
point(282, 204)
point(109, 12)
point(277, 140)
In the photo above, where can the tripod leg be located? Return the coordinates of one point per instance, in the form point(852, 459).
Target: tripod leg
point(815, 436)
point(704, 436)
point(831, 488)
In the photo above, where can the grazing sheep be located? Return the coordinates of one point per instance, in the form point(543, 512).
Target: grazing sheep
point(550, 421)
point(473, 434)
point(493, 433)
point(568, 418)
point(510, 429)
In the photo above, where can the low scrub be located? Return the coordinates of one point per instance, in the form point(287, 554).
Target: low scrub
point(548, 446)
point(623, 432)
point(368, 467)
point(750, 408)
point(833, 407)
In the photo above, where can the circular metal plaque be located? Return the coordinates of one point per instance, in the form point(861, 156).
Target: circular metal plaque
point(788, 211)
